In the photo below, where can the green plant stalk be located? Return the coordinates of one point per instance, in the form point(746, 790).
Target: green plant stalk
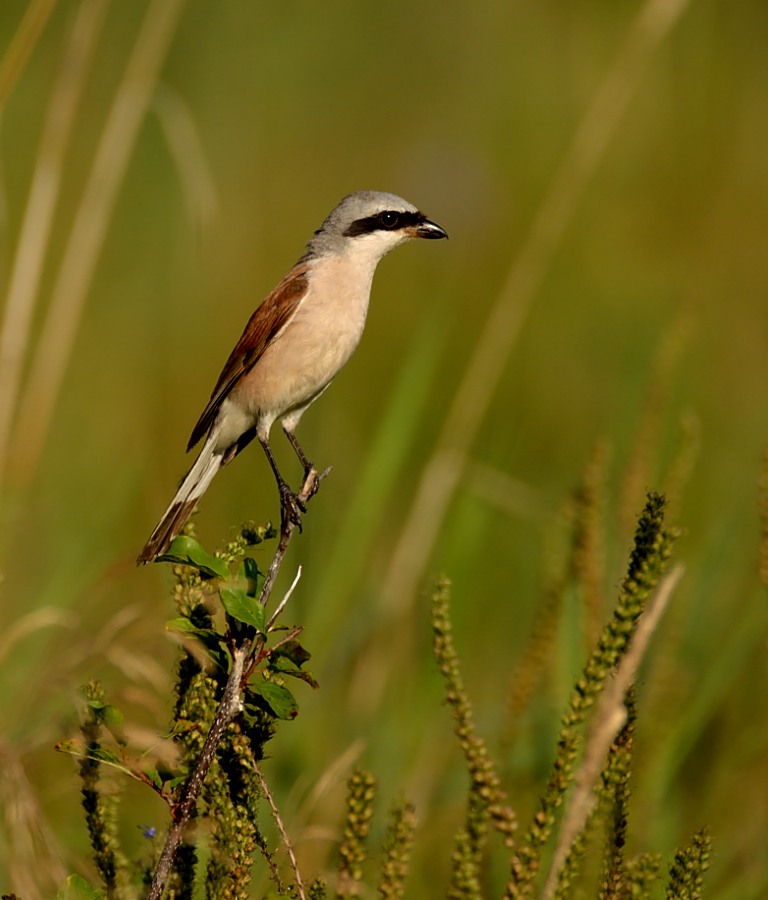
point(485, 782)
point(99, 808)
point(648, 558)
point(397, 852)
point(686, 874)
point(615, 788)
point(361, 789)
point(467, 853)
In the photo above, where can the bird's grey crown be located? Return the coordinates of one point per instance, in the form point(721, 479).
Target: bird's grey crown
point(361, 206)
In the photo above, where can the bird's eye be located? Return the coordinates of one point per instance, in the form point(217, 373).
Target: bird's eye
point(389, 219)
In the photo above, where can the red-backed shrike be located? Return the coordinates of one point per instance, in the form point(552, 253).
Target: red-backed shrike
point(293, 346)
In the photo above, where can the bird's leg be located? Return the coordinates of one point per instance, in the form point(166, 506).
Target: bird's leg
point(291, 507)
point(299, 452)
point(308, 467)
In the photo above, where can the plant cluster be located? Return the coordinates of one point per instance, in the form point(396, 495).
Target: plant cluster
point(223, 629)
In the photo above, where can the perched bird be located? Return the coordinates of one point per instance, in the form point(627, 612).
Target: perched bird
point(293, 346)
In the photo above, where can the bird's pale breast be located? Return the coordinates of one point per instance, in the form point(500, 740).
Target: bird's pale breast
point(311, 348)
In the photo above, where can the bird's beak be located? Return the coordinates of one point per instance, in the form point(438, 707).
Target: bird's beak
point(429, 230)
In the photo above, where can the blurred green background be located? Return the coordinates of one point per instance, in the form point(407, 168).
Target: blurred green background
point(641, 306)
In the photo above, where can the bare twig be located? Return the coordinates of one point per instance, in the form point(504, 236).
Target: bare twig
point(243, 653)
point(610, 718)
point(311, 483)
point(286, 598)
point(283, 833)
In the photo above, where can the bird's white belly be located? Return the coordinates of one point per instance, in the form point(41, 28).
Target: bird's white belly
point(300, 362)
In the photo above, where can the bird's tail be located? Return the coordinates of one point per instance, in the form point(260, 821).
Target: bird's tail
point(192, 489)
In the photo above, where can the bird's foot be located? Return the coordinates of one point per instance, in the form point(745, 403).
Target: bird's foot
point(291, 506)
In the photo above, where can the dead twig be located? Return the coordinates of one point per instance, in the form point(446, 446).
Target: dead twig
point(283, 833)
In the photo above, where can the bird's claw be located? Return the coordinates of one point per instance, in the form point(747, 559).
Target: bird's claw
point(291, 507)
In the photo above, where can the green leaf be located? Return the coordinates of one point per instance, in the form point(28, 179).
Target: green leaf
point(77, 888)
point(173, 783)
point(105, 756)
point(252, 569)
point(288, 667)
point(114, 721)
point(292, 650)
point(97, 754)
point(256, 534)
point(283, 664)
point(242, 607)
point(276, 698)
point(181, 624)
point(110, 717)
point(189, 552)
point(250, 573)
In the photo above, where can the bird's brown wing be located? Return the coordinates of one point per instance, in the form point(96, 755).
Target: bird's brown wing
point(276, 309)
